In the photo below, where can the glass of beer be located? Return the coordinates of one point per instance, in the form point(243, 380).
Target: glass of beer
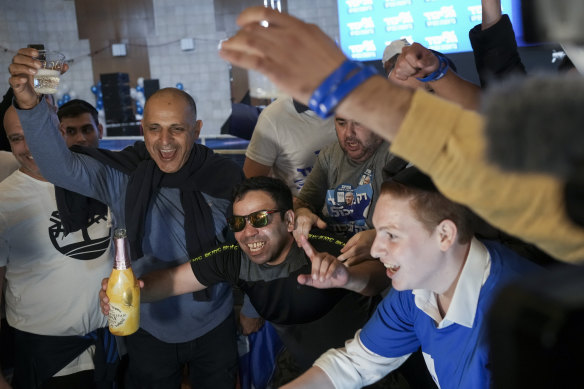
point(47, 78)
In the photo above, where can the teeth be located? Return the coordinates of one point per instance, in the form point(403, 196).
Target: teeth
point(167, 152)
point(255, 246)
point(391, 266)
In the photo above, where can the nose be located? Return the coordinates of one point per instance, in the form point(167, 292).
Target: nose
point(165, 136)
point(80, 139)
point(249, 230)
point(377, 250)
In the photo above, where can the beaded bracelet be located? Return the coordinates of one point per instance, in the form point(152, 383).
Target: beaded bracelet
point(337, 86)
point(438, 73)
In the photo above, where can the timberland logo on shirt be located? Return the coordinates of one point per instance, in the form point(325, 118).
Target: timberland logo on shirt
point(88, 243)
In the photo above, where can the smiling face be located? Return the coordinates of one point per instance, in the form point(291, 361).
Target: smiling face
point(413, 255)
point(18, 144)
point(170, 130)
point(269, 244)
point(358, 142)
point(81, 130)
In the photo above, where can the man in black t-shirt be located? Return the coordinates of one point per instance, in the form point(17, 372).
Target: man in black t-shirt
point(266, 265)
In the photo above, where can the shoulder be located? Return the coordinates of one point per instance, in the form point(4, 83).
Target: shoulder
point(506, 262)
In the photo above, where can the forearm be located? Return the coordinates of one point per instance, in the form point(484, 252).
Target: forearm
point(312, 378)
point(367, 278)
point(298, 204)
point(169, 282)
point(379, 105)
point(57, 163)
point(491, 10)
point(529, 206)
point(456, 89)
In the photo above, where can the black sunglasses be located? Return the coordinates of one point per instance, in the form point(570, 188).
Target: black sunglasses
point(256, 219)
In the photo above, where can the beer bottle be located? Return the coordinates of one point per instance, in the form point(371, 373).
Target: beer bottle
point(123, 290)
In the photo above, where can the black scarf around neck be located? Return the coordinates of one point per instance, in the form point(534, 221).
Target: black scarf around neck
point(204, 172)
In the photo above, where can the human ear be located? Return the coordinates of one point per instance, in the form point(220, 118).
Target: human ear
point(447, 233)
point(289, 219)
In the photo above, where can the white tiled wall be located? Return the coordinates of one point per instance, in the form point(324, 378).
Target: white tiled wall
point(51, 22)
point(201, 71)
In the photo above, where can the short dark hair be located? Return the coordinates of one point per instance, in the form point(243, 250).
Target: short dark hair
point(76, 107)
point(276, 188)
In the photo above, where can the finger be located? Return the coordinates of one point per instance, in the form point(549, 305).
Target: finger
point(350, 243)
point(333, 263)
point(22, 70)
point(308, 249)
point(104, 283)
point(326, 261)
point(141, 284)
point(315, 270)
point(320, 223)
point(258, 14)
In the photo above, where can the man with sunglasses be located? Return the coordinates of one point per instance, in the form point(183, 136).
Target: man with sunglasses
point(266, 264)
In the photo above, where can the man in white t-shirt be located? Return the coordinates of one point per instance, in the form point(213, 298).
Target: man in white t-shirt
point(36, 257)
point(8, 164)
point(286, 140)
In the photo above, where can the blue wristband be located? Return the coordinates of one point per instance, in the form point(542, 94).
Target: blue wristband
point(331, 83)
point(332, 91)
point(438, 73)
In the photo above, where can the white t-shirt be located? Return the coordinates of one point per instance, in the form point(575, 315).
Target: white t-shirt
point(8, 164)
point(48, 290)
point(289, 141)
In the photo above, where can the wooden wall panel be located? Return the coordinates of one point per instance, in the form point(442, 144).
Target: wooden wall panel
point(105, 22)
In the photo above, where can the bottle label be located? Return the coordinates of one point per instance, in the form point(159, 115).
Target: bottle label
point(117, 316)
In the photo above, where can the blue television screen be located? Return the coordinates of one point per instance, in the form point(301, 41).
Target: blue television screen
point(367, 26)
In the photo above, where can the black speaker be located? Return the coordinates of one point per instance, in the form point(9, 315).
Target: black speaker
point(535, 331)
point(117, 102)
point(150, 86)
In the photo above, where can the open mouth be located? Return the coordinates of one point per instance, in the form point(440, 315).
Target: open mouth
point(391, 269)
point(352, 145)
point(256, 246)
point(167, 154)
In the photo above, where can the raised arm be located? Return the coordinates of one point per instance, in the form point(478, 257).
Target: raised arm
point(416, 61)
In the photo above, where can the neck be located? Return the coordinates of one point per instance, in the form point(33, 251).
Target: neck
point(36, 176)
point(460, 254)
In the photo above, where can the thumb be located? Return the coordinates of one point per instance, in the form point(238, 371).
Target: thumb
point(320, 223)
point(304, 279)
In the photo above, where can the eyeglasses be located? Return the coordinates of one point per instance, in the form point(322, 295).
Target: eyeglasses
point(256, 219)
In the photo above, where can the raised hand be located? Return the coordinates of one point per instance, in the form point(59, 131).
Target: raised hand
point(22, 70)
point(415, 61)
point(358, 248)
point(304, 221)
point(278, 45)
point(327, 271)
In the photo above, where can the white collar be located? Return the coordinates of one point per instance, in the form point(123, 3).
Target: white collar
point(465, 300)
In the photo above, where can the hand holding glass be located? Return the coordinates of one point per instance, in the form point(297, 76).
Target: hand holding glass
point(46, 81)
